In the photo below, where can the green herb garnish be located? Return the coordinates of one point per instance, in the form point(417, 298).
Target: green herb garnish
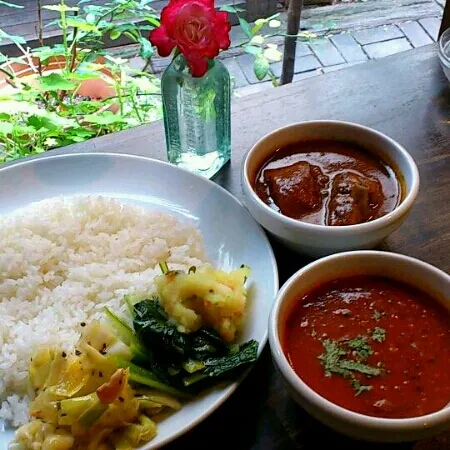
point(356, 366)
point(348, 358)
point(379, 334)
point(377, 315)
point(361, 348)
point(360, 388)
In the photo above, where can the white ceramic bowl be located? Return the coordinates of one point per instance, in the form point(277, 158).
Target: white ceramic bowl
point(444, 52)
point(321, 240)
point(411, 271)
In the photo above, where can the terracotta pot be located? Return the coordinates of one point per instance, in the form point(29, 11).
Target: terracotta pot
point(95, 89)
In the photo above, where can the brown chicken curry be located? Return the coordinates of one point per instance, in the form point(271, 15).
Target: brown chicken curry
point(328, 183)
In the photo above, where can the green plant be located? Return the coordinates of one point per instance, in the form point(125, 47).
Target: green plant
point(44, 109)
point(259, 36)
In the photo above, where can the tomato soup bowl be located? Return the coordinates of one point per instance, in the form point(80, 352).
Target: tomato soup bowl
point(412, 272)
point(321, 240)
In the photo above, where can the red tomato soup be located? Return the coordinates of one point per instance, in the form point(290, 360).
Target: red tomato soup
point(372, 345)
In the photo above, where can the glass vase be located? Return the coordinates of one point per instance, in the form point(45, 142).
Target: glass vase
point(197, 117)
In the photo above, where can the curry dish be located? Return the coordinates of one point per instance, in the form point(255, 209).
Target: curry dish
point(328, 183)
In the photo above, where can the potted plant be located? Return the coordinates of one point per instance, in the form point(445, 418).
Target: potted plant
point(74, 90)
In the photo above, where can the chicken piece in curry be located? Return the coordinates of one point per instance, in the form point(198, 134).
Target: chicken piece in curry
point(328, 183)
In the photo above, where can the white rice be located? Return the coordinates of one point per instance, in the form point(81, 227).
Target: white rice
point(61, 261)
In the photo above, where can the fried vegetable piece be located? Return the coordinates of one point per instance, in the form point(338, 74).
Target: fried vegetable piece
point(296, 189)
point(354, 199)
point(205, 297)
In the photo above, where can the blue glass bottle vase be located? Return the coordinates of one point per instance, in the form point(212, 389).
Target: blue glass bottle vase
point(197, 117)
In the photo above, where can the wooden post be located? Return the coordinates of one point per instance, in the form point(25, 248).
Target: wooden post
point(257, 9)
point(445, 24)
point(290, 41)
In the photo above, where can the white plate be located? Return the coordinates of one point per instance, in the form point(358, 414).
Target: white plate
point(231, 235)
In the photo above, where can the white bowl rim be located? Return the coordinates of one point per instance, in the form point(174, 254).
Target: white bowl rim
point(360, 228)
point(442, 54)
point(403, 424)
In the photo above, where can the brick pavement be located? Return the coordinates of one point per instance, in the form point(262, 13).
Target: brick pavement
point(327, 54)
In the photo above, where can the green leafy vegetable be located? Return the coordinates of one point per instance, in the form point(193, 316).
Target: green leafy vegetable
point(246, 354)
point(154, 330)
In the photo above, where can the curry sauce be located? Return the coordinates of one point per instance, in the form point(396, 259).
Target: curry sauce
point(327, 182)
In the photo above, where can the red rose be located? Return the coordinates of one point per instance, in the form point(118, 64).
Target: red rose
point(196, 29)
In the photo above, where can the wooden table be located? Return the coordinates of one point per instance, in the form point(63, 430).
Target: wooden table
point(406, 96)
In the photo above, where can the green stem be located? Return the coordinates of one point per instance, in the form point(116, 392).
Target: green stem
point(7, 73)
point(119, 94)
point(64, 33)
point(136, 107)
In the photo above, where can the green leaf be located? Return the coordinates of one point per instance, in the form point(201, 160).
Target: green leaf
point(11, 37)
point(61, 8)
point(40, 122)
point(6, 128)
point(261, 67)
point(81, 24)
point(152, 20)
point(253, 49)
point(257, 27)
point(5, 116)
point(55, 82)
point(6, 59)
point(231, 9)
point(107, 118)
point(245, 27)
point(81, 75)
point(115, 34)
point(44, 53)
point(90, 18)
point(52, 22)
point(146, 50)
point(10, 5)
point(274, 23)
point(272, 54)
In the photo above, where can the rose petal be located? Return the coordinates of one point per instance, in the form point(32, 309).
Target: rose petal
point(159, 38)
point(196, 29)
point(197, 63)
point(222, 28)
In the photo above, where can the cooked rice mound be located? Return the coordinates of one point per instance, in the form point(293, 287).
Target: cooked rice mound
point(62, 261)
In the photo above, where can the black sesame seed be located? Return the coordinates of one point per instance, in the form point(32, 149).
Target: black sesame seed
point(100, 374)
point(83, 324)
point(121, 399)
point(77, 352)
point(63, 415)
point(120, 381)
point(63, 354)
